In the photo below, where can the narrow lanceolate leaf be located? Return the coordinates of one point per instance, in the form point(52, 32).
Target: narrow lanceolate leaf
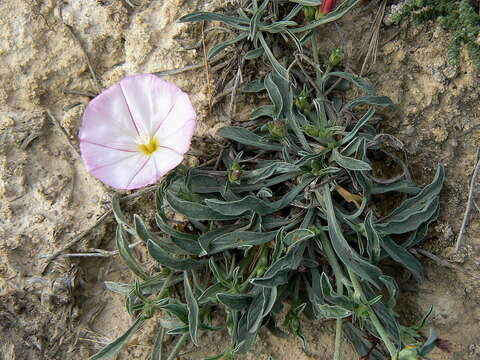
point(403, 257)
point(164, 258)
point(264, 110)
point(111, 349)
point(347, 255)
point(430, 344)
point(235, 22)
point(118, 213)
point(263, 173)
point(382, 101)
point(237, 302)
point(276, 274)
point(365, 119)
point(193, 310)
point(333, 311)
point(332, 16)
point(248, 138)
point(254, 86)
point(348, 162)
point(126, 253)
point(158, 345)
point(240, 239)
point(415, 211)
point(354, 79)
point(223, 45)
point(119, 288)
point(194, 210)
point(254, 204)
point(373, 239)
point(255, 312)
point(274, 94)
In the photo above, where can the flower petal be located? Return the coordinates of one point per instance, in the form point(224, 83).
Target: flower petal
point(150, 100)
point(107, 121)
point(160, 163)
point(177, 129)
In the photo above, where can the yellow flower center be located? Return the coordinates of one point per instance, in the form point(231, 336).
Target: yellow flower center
point(149, 148)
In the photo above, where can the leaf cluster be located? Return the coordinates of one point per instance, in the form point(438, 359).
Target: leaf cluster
point(288, 222)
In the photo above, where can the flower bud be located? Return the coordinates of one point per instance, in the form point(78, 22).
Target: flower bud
point(234, 176)
point(408, 353)
point(276, 128)
point(309, 13)
point(326, 7)
point(336, 56)
point(300, 101)
point(311, 130)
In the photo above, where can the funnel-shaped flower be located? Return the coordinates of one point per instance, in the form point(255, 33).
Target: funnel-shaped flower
point(136, 131)
point(327, 6)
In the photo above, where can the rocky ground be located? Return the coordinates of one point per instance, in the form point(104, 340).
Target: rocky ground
point(60, 309)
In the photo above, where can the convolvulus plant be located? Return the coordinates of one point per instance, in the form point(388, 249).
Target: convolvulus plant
point(288, 221)
point(458, 17)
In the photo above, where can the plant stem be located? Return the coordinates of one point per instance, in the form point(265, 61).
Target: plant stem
point(314, 42)
point(164, 288)
point(373, 317)
point(332, 259)
point(178, 346)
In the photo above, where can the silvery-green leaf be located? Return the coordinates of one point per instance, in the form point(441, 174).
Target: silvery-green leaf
point(246, 137)
point(275, 95)
point(254, 54)
point(235, 22)
point(194, 210)
point(349, 162)
point(225, 44)
point(240, 239)
point(125, 253)
point(261, 111)
point(255, 85)
point(403, 257)
point(373, 239)
point(180, 311)
point(333, 311)
point(119, 288)
point(342, 248)
point(193, 310)
point(169, 261)
point(112, 348)
point(430, 344)
point(158, 345)
point(237, 302)
point(373, 100)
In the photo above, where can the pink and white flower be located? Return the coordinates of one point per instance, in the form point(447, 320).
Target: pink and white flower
point(136, 131)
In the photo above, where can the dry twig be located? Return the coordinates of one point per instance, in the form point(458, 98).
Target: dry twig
point(471, 198)
point(371, 41)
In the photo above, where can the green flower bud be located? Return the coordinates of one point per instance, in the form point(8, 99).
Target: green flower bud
point(309, 13)
point(277, 129)
point(300, 101)
point(336, 56)
point(408, 353)
point(311, 130)
point(148, 311)
point(234, 173)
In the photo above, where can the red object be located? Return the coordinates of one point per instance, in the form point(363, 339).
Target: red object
point(327, 6)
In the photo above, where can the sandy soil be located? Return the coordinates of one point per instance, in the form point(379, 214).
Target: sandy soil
point(61, 310)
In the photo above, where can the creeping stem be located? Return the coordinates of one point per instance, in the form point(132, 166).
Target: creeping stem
point(373, 317)
point(339, 278)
